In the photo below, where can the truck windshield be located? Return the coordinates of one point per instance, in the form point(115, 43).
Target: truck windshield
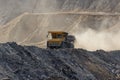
point(59, 36)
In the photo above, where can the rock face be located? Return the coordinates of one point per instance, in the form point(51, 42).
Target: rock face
point(33, 63)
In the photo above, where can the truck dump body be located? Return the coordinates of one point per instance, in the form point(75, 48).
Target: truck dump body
point(58, 40)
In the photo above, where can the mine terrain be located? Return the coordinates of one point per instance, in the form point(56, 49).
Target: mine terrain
point(24, 25)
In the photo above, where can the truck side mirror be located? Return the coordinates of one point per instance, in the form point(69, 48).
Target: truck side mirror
point(47, 35)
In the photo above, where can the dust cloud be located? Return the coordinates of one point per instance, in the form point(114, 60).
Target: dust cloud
point(94, 40)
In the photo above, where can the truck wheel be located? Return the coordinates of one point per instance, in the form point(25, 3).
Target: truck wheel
point(64, 45)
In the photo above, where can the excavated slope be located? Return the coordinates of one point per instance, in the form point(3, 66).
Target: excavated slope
point(9, 9)
point(33, 63)
point(99, 30)
point(92, 22)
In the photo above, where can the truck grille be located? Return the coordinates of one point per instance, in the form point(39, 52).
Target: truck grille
point(54, 44)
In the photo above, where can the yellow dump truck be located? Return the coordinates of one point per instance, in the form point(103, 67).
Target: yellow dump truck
point(60, 39)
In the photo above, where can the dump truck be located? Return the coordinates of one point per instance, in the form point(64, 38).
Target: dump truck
point(59, 39)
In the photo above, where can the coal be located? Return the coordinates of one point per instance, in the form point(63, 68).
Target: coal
point(33, 63)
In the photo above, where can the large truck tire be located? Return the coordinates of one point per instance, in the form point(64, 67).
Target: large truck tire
point(64, 45)
point(67, 45)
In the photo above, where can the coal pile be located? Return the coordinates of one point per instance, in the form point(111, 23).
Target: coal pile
point(33, 63)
